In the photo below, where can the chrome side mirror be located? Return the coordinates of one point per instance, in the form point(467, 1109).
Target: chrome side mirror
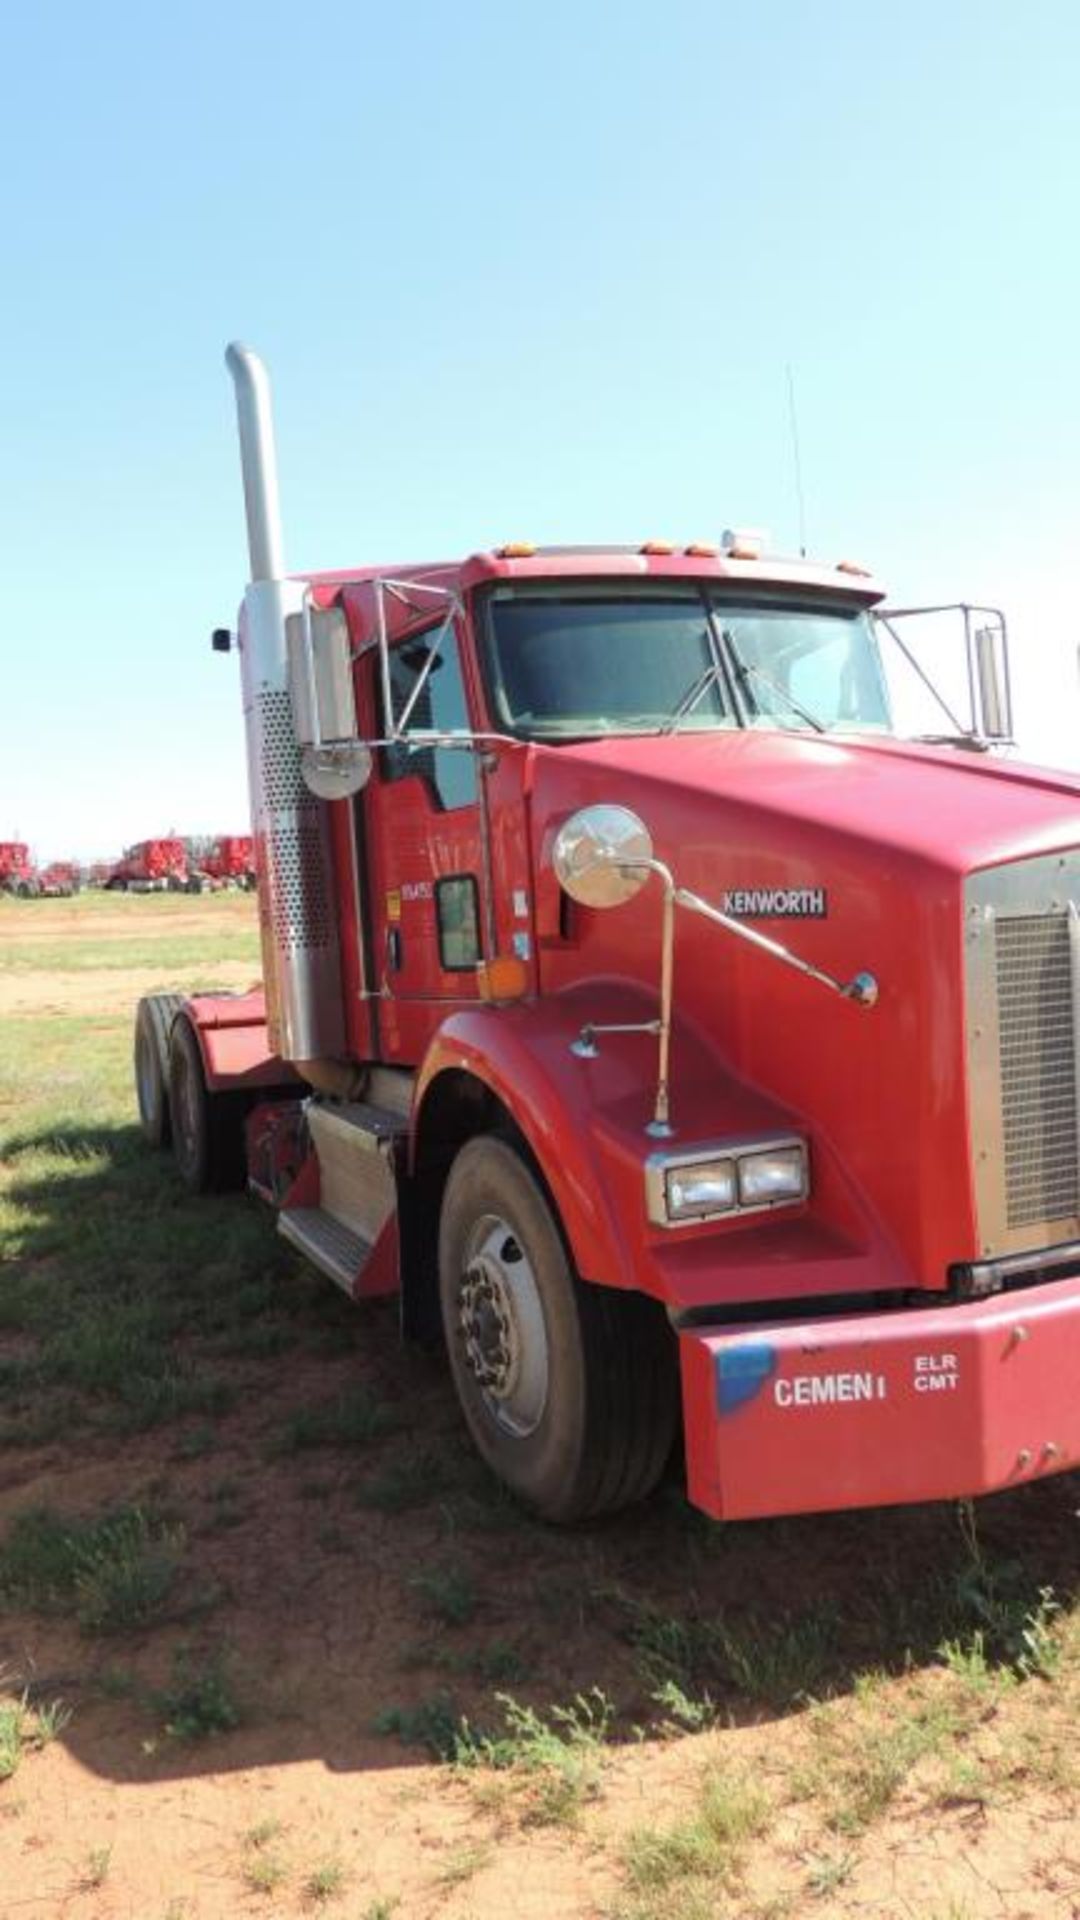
point(333, 761)
point(601, 856)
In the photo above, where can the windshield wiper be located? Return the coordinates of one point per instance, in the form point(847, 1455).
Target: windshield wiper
point(745, 670)
point(711, 676)
point(973, 742)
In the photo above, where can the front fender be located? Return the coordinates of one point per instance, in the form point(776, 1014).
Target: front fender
point(522, 1053)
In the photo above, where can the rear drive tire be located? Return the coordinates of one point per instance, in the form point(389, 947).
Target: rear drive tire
point(570, 1391)
point(207, 1127)
point(153, 1020)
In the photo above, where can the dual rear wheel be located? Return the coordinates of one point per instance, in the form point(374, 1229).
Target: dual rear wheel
point(176, 1107)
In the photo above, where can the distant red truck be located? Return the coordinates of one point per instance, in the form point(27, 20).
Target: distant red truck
point(60, 879)
point(230, 861)
point(151, 866)
point(17, 871)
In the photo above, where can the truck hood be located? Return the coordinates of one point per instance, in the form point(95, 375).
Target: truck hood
point(955, 809)
point(855, 853)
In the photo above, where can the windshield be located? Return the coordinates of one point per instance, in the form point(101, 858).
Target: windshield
point(568, 661)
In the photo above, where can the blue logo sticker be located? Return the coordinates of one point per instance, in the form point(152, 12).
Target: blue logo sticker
point(741, 1372)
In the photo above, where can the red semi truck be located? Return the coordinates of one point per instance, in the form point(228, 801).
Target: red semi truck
point(679, 1043)
point(18, 873)
point(229, 862)
point(150, 866)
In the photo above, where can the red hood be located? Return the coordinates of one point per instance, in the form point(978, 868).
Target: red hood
point(859, 847)
point(956, 809)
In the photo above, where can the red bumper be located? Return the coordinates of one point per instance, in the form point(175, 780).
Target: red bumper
point(928, 1404)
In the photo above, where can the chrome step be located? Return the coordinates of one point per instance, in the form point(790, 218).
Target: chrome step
point(354, 1144)
point(327, 1243)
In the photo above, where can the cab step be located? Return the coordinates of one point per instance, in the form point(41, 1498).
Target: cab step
point(330, 1245)
point(356, 1145)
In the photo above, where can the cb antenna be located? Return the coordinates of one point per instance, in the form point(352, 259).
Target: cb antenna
point(796, 457)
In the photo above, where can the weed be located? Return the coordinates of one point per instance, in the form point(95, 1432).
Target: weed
point(198, 1702)
point(50, 1719)
point(96, 1871)
point(1002, 1621)
point(13, 1735)
point(325, 1882)
point(683, 1710)
point(449, 1593)
point(381, 1908)
point(707, 1848)
point(263, 1832)
point(463, 1862)
point(353, 1419)
point(197, 1442)
point(829, 1871)
point(264, 1872)
point(557, 1756)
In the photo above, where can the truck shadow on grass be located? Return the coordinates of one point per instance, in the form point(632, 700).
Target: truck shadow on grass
point(240, 1524)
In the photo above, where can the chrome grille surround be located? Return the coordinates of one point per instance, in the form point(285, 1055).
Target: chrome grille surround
point(1022, 977)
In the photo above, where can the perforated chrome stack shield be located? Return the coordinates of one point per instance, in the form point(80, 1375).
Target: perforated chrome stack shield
point(301, 962)
point(1022, 948)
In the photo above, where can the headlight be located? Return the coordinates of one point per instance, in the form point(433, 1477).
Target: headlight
point(709, 1186)
point(777, 1174)
point(745, 1176)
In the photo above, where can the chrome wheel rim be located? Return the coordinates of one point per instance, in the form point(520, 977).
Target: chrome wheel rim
point(501, 1326)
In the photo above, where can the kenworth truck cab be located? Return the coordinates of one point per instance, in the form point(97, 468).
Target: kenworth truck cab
point(679, 1044)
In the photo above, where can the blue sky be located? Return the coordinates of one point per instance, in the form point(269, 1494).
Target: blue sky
point(517, 273)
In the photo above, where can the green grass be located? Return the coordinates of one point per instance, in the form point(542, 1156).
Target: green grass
point(26, 1729)
point(113, 1573)
point(353, 1418)
point(175, 955)
point(699, 1858)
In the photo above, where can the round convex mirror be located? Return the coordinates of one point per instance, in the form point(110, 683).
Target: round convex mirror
point(336, 769)
point(598, 855)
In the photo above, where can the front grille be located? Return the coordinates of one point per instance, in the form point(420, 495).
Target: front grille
point(1038, 1072)
point(1022, 980)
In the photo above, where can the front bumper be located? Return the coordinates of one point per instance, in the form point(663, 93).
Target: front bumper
point(929, 1403)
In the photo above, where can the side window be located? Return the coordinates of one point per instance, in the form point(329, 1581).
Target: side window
point(457, 911)
point(450, 771)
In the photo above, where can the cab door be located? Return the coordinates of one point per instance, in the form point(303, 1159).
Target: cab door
point(424, 851)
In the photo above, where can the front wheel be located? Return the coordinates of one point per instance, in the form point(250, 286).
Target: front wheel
point(569, 1390)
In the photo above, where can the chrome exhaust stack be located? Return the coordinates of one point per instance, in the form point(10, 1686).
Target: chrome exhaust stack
point(297, 913)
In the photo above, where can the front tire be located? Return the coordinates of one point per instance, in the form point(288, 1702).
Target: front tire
point(569, 1391)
